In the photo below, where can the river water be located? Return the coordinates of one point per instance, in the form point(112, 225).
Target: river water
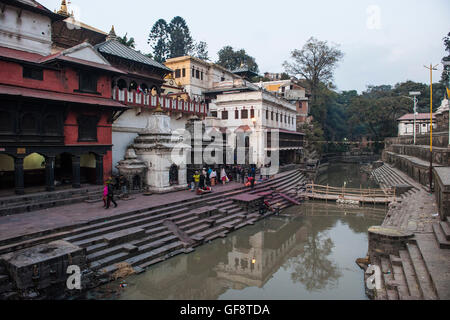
point(308, 252)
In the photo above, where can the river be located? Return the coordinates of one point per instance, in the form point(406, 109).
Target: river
point(308, 252)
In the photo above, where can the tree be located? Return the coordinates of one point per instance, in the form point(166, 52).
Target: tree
point(180, 41)
point(231, 60)
point(285, 76)
point(125, 41)
point(445, 75)
point(158, 40)
point(315, 62)
point(202, 51)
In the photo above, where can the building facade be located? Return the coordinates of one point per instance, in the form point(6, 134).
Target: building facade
point(406, 124)
point(56, 112)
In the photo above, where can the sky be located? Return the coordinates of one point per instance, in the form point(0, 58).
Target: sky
point(384, 42)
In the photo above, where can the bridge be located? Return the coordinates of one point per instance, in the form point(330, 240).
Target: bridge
point(350, 195)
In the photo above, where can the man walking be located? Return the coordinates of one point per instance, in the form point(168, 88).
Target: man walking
point(110, 196)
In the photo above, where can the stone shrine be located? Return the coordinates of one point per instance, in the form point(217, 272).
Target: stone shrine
point(154, 146)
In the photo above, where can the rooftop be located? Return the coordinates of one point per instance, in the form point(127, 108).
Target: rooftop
point(115, 48)
point(419, 116)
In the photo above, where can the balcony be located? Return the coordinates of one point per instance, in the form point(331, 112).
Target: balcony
point(134, 99)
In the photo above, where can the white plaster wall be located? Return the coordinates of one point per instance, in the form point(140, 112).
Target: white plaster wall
point(31, 32)
point(128, 126)
point(87, 54)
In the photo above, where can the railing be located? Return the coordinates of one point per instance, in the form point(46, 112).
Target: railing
point(328, 192)
point(133, 98)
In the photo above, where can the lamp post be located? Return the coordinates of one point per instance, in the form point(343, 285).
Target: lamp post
point(414, 94)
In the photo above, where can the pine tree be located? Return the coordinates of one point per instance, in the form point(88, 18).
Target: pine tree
point(159, 40)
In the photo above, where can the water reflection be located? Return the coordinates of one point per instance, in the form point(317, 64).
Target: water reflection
point(302, 254)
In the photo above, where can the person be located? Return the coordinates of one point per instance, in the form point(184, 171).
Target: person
point(105, 194)
point(196, 177)
point(223, 176)
point(202, 179)
point(110, 196)
point(123, 184)
point(213, 177)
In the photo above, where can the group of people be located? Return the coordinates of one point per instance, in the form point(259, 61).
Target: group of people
point(209, 177)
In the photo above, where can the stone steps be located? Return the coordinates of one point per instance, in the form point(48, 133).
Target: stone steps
point(8, 244)
point(141, 239)
point(426, 287)
point(441, 236)
point(410, 275)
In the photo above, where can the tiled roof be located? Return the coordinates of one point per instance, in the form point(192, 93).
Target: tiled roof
point(57, 96)
point(20, 55)
point(115, 48)
point(419, 116)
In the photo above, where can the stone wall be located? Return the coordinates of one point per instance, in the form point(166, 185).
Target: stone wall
point(440, 140)
point(442, 189)
point(440, 156)
point(418, 172)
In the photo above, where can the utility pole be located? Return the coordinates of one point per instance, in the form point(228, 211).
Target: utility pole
point(446, 63)
point(431, 68)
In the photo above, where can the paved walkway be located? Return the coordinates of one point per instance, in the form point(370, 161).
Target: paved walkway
point(81, 213)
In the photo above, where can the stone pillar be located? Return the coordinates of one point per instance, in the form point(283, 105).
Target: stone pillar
point(182, 175)
point(19, 176)
point(76, 172)
point(50, 173)
point(99, 169)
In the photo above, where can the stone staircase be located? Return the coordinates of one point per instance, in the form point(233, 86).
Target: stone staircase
point(43, 200)
point(146, 237)
point(416, 272)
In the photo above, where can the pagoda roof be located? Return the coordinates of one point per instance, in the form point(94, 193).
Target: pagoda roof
point(115, 48)
point(243, 70)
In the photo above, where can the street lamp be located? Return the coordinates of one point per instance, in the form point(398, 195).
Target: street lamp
point(414, 94)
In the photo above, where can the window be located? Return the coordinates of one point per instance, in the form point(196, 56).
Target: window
point(29, 122)
point(5, 121)
point(222, 79)
point(197, 74)
point(50, 124)
point(244, 114)
point(236, 114)
point(214, 114)
point(193, 73)
point(271, 116)
point(88, 82)
point(177, 73)
point(267, 114)
point(201, 75)
point(184, 72)
point(224, 115)
point(252, 113)
point(33, 73)
point(277, 117)
point(281, 118)
point(87, 128)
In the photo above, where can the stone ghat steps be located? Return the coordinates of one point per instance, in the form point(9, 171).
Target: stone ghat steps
point(144, 234)
point(405, 277)
point(229, 218)
point(441, 231)
point(388, 178)
point(21, 242)
point(48, 201)
point(148, 219)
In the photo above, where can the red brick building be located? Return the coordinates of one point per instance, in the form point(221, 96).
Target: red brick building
point(56, 116)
